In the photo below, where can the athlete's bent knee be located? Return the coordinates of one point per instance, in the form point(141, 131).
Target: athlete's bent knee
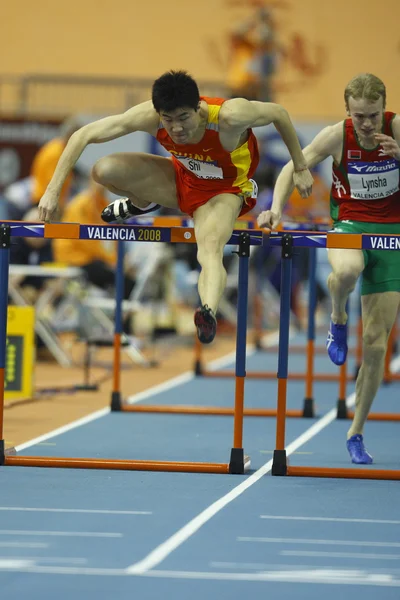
point(345, 276)
point(103, 170)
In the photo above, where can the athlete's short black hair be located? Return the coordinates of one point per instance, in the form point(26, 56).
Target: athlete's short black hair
point(175, 89)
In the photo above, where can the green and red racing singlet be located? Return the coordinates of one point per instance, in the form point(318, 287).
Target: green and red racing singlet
point(365, 185)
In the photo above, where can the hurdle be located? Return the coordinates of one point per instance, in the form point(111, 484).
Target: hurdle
point(308, 409)
point(312, 240)
point(280, 466)
point(239, 463)
point(240, 373)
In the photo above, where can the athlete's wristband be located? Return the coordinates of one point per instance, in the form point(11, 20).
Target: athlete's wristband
point(299, 170)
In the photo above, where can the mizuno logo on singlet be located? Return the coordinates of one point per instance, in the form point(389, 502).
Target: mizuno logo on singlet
point(377, 167)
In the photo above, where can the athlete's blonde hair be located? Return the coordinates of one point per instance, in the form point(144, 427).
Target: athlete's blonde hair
point(365, 86)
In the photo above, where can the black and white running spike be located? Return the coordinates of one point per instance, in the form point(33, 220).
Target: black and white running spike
point(122, 209)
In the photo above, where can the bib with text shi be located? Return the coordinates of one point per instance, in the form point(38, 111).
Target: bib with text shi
point(201, 168)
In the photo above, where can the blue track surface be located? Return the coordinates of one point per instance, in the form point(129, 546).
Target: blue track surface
point(111, 534)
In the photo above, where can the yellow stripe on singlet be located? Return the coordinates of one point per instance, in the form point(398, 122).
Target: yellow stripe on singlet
point(241, 158)
point(213, 116)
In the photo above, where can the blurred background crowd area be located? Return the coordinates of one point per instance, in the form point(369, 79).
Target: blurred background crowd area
point(87, 61)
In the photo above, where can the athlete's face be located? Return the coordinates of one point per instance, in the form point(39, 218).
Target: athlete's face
point(366, 116)
point(181, 124)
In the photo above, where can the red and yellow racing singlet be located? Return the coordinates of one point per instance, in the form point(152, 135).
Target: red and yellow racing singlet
point(365, 186)
point(207, 165)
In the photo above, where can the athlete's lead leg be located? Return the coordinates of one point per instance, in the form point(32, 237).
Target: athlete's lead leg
point(214, 222)
point(147, 181)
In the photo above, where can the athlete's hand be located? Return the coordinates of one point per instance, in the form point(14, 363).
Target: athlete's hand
point(48, 207)
point(303, 180)
point(389, 146)
point(268, 219)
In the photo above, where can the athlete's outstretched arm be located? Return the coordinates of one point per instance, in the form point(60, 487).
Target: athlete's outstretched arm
point(327, 143)
point(142, 117)
point(241, 114)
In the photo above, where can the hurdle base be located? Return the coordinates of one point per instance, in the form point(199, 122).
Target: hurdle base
point(258, 345)
point(239, 463)
point(308, 408)
point(4, 452)
point(86, 387)
point(198, 368)
point(279, 463)
point(342, 412)
point(116, 402)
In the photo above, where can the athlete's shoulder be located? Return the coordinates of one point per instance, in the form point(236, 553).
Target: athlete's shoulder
point(337, 130)
point(234, 112)
point(331, 136)
point(143, 115)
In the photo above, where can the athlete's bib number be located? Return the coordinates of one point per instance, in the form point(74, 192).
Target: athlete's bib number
point(372, 181)
point(201, 168)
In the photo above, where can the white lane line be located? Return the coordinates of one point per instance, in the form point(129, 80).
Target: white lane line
point(61, 533)
point(75, 510)
point(242, 566)
point(47, 559)
point(317, 542)
point(277, 574)
point(332, 519)
point(12, 565)
point(23, 545)
point(31, 567)
point(325, 575)
point(177, 539)
point(354, 555)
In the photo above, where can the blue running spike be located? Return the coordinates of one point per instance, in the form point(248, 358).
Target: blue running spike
point(357, 451)
point(336, 343)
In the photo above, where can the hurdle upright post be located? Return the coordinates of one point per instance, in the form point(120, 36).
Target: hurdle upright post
point(279, 463)
point(308, 406)
point(237, 460)
point(4, 267)
point(119, 296)
point(342, 411)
